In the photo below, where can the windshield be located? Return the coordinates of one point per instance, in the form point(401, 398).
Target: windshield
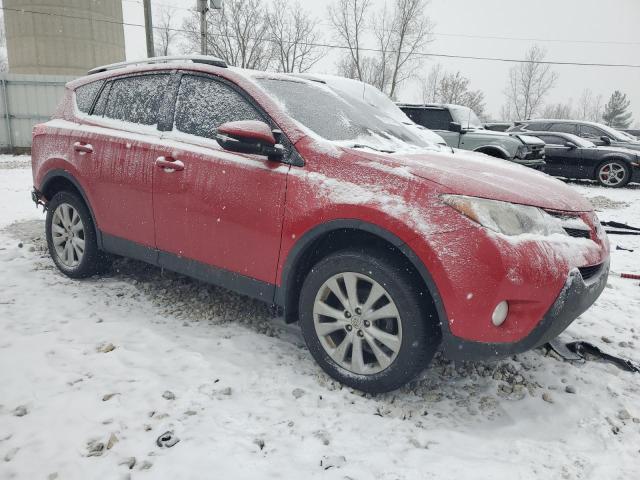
point(613, 133)
point(579, 141)
point(341, 118)
point(465, 117)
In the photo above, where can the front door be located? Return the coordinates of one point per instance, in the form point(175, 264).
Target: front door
point(218, 214)
point(562, 160)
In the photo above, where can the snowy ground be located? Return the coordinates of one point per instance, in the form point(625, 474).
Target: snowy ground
point(117, 361)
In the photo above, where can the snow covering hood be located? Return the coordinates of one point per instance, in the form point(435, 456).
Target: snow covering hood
point(477, 175)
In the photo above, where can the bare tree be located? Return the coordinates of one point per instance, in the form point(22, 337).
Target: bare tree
point(559, 110)
point(411, 32)
point(529, 83)
point(349, 18)
point(400, 33)
point(164, 34)
point(449, 87)
point(294, 36)
point(430, 86)
point(239, 34)
point(590, 106)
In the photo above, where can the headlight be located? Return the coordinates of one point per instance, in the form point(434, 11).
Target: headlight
point(522, 152)
point(506, 218)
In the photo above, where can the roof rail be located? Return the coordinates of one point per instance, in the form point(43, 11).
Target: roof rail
point(205, 59)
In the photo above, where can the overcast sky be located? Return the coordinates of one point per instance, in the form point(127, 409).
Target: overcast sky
point(570, 30)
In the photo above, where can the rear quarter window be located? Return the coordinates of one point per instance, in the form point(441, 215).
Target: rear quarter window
point(86, 94)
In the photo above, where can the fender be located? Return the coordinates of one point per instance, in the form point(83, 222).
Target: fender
point(298, 250)
point(54, 174)
point(500, 149)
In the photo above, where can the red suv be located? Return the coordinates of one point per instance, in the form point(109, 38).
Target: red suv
point(383, 246)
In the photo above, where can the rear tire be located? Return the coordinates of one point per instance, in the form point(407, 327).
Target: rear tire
point(71, 237)
point(613, 174)
point(365, 322)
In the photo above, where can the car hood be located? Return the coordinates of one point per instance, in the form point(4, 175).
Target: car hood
point(635, 146)
point(622, 148)
point(478, 175)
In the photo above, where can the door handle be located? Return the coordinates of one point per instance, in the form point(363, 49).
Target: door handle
point(169, 164)
point(83, 147)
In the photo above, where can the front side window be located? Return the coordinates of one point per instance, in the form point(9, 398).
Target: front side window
point(552, 140)
point(137, 99)
point(204, 104)
point(86, 94)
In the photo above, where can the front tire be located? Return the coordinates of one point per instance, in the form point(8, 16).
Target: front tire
point(613, 174)
point(71, 237)
point(365, 322)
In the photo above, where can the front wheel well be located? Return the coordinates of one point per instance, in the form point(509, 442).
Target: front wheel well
point(352, 239)
point(492, 152)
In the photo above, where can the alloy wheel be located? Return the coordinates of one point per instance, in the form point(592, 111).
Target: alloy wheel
point(358, 323)
point(67, 231)
point(612, 174)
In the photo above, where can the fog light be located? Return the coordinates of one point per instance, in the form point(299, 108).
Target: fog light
point(500, 313)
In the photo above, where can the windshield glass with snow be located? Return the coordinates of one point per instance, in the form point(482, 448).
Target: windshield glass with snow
point(465, 117)
point(341, 118)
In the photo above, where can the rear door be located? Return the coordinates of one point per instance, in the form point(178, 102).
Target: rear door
point(561, 160)
point(124, 139)
point(220, 209)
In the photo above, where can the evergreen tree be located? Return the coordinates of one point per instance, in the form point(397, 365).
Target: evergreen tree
point(615, 112)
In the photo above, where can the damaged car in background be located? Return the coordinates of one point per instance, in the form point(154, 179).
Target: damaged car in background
point(461, 128)
point(383, 246)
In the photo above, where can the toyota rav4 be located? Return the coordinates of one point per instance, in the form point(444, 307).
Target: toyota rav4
point(383, 247)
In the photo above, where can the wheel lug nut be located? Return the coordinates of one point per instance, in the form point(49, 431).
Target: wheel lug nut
point(358, 311)
point(360, 333)
point(367, 323)
point(349, 328)
point(347, 314)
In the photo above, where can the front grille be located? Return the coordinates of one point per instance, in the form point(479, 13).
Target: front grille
point(590, 272)
point(535, 153)
point(577, 233)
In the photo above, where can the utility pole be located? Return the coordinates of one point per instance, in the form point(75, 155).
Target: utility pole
point(203, 9)
point(148, 26)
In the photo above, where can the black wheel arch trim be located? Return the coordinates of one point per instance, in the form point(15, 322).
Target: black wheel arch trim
point(307, 240)
point(60, 173)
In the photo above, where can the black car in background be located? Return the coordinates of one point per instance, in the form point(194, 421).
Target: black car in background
point(573, 157)
point(597, 133)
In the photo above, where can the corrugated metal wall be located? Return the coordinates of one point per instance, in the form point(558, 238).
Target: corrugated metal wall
point(26, 100)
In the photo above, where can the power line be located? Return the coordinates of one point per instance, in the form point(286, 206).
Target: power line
point(342, 47)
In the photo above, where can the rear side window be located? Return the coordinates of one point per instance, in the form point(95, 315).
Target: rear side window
point(204, 104)
point(137, 99)
point(564, 128)
point(86, 94)
point(536, 127)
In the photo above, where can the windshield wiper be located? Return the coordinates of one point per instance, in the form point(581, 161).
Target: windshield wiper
point(362, 146)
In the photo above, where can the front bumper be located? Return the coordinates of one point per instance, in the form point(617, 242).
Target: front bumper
point(535, 164)
point(574, 299)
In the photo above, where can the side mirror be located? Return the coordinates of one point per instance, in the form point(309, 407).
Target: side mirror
point(249, 136)
point(570, 145)
point(606, 140)
point(455, 127)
